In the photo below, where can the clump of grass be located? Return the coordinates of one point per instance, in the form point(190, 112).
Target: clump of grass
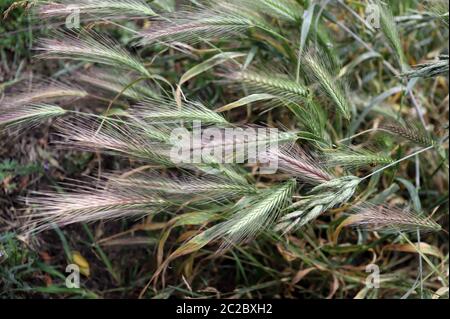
point(230, 203)
point(114, 137)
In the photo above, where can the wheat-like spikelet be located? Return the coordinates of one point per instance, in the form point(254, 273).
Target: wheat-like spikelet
point(245, 203)
point(439, 8)
point(409, 132)
point(312, 118)
point(276, 84)
point(351, 159)
point(291, 11)
point(166, 111)
point(321, 198)
point(288, 10)
point(429, 69)
point(334, 89)
point(125, 196)
point(28, 116)
point(296, 162)
point(258, 214)
point(384, 217)
point(90, 47)
point(389, 28)
point(213, 20)
point(45, 93)
point(88, 204)
point(115, 137)
point(206, 187)
point(130, 137)
point(108, 9)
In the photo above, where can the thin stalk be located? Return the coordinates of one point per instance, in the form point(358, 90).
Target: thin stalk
point(117, 97)
point(360, 133)
point(398, 161)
